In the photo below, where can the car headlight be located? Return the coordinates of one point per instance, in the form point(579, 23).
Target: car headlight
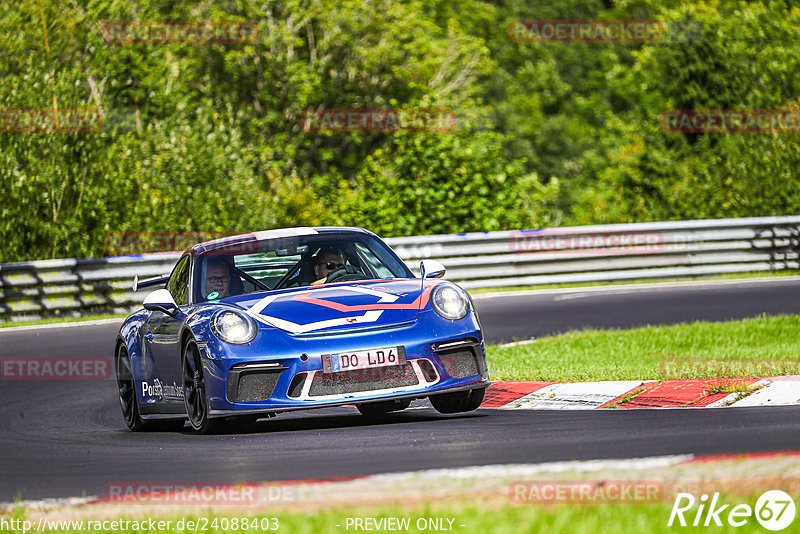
point(233, 327)
point(449, 302)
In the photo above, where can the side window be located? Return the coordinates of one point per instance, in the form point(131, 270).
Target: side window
point(178, 283)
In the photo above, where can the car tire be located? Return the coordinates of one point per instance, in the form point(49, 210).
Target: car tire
point(128, 402)
point(127, 390)
point(195, 395)
point(372, 409)
point(460, 401)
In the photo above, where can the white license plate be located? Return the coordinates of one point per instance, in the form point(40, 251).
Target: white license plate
point(363, 359)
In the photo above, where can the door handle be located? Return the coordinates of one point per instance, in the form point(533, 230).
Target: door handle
point(149, 336)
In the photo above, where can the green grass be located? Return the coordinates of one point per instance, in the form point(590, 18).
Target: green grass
point(485, 518)
point(630, 396)
point(56, 320)
point(764, 346)
point(729, 387)
point(727, 276)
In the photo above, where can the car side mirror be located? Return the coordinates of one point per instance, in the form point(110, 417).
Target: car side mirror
point(431, 269)
point(161, 300)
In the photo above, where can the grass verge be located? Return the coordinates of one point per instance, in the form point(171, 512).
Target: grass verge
point(759, 347)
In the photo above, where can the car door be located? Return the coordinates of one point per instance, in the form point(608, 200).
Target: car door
point(162, 336)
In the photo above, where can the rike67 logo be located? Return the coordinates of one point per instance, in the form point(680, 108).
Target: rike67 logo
point(774, 510)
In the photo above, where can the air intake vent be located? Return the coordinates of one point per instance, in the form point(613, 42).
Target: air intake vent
point(363, 380)
point(460, 363)
point(296, 387)
point(250, 385)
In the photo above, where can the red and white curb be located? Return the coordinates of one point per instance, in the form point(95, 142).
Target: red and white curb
point(773, 391)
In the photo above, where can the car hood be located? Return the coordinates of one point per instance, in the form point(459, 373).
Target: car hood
point(339, 307)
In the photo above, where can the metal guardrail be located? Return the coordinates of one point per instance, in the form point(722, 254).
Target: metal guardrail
point(70, 287)
point(616, 252)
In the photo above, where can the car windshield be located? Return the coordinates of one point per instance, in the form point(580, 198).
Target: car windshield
point(293, 262)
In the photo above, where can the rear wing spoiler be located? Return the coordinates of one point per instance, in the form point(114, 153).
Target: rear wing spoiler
point(149, 282)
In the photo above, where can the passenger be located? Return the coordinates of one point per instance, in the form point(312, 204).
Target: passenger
point(327, 261)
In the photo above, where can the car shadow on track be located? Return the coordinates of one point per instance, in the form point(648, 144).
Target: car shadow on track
point(342, 418)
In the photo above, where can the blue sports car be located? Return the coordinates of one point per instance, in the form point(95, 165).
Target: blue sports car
point(249, 326)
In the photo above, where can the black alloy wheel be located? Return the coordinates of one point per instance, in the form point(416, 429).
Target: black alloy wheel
point(195, 395)
point(127, 391)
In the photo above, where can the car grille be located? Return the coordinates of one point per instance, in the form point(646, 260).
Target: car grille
point(249, 386)
point(363, 380)
point(460, 363)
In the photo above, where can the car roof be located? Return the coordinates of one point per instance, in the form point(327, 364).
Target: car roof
point(263, 235)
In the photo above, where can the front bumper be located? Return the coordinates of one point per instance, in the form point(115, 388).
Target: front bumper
point(348, 402)
point(291, 377)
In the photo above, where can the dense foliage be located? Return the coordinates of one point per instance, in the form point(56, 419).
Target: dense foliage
point(210, 137)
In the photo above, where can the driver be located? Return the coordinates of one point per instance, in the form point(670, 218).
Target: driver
point(327, 261)
point(218, 278)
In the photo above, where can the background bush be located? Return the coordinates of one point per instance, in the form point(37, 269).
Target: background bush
point(209, 138)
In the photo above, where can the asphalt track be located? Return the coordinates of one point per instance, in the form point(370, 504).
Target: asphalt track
point(67, 438)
